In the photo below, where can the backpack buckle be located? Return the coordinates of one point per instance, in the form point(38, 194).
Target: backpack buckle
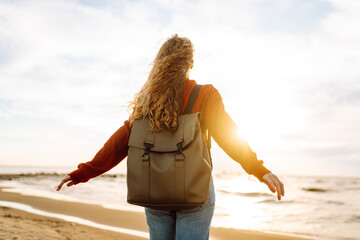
point(146, 155)
point(179, 156)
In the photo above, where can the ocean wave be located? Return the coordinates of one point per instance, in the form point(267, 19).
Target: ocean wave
point(46, 174)
point(267, 201)
point(353, 218)
point(335, 202)
point(247, 194)
point(353, 188)
point(273, 200)
point(315, 189)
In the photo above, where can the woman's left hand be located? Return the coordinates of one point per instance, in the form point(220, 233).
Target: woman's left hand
point(274, 184)
point(66, 179)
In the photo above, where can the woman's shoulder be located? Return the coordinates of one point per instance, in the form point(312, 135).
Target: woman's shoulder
point(208, 97)
point(206, 89)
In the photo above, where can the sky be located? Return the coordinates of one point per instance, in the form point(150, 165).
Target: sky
point(287, 70)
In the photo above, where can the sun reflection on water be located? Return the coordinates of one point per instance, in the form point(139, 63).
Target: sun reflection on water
point(241, 210)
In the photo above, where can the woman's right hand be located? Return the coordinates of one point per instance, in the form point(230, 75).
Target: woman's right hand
point(65, 180)
point(274, 184)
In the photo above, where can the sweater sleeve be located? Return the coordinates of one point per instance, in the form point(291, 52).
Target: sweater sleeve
point(225, 132)
point(112, 153)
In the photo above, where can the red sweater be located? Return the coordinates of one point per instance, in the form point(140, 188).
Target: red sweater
point(213, 117)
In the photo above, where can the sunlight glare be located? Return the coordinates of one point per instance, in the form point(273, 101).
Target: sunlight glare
point(241, 195)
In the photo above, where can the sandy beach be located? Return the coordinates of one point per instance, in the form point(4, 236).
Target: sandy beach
point(19, 224)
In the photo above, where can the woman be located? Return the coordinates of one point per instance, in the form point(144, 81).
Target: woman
point(162, 99)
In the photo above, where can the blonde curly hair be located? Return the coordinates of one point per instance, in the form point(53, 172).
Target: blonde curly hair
point(161, 96)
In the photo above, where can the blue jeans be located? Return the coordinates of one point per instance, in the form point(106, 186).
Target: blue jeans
point(191, 224)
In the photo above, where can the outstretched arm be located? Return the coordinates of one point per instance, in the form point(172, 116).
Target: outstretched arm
point(111, 154)
point(225, 133)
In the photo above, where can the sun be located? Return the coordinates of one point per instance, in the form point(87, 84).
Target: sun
point(256, 121)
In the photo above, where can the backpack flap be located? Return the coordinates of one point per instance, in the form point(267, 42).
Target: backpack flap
point(168, 140)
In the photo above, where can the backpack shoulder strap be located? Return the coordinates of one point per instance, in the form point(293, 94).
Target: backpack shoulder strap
point(193, 96)
point(189, 106)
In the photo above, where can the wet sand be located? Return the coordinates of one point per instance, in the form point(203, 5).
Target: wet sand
point(18, 224)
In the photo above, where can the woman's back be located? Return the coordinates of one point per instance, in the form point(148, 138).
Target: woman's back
point(162, 100)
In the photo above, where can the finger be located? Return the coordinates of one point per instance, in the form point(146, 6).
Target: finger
point(60, 185)
point(70, 184)
point(270, 185)
point(278, 190)
point(66, 179)
point(277, 185)
point(282, 187)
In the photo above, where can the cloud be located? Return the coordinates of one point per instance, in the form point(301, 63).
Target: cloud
point(287, 70)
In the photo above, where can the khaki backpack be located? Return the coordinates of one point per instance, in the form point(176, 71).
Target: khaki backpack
point(169, 169)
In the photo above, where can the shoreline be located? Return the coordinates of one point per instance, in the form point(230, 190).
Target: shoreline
point(18, 224)
point(111, 223)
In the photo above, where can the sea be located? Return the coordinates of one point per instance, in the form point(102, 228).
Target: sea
point(314, 207)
